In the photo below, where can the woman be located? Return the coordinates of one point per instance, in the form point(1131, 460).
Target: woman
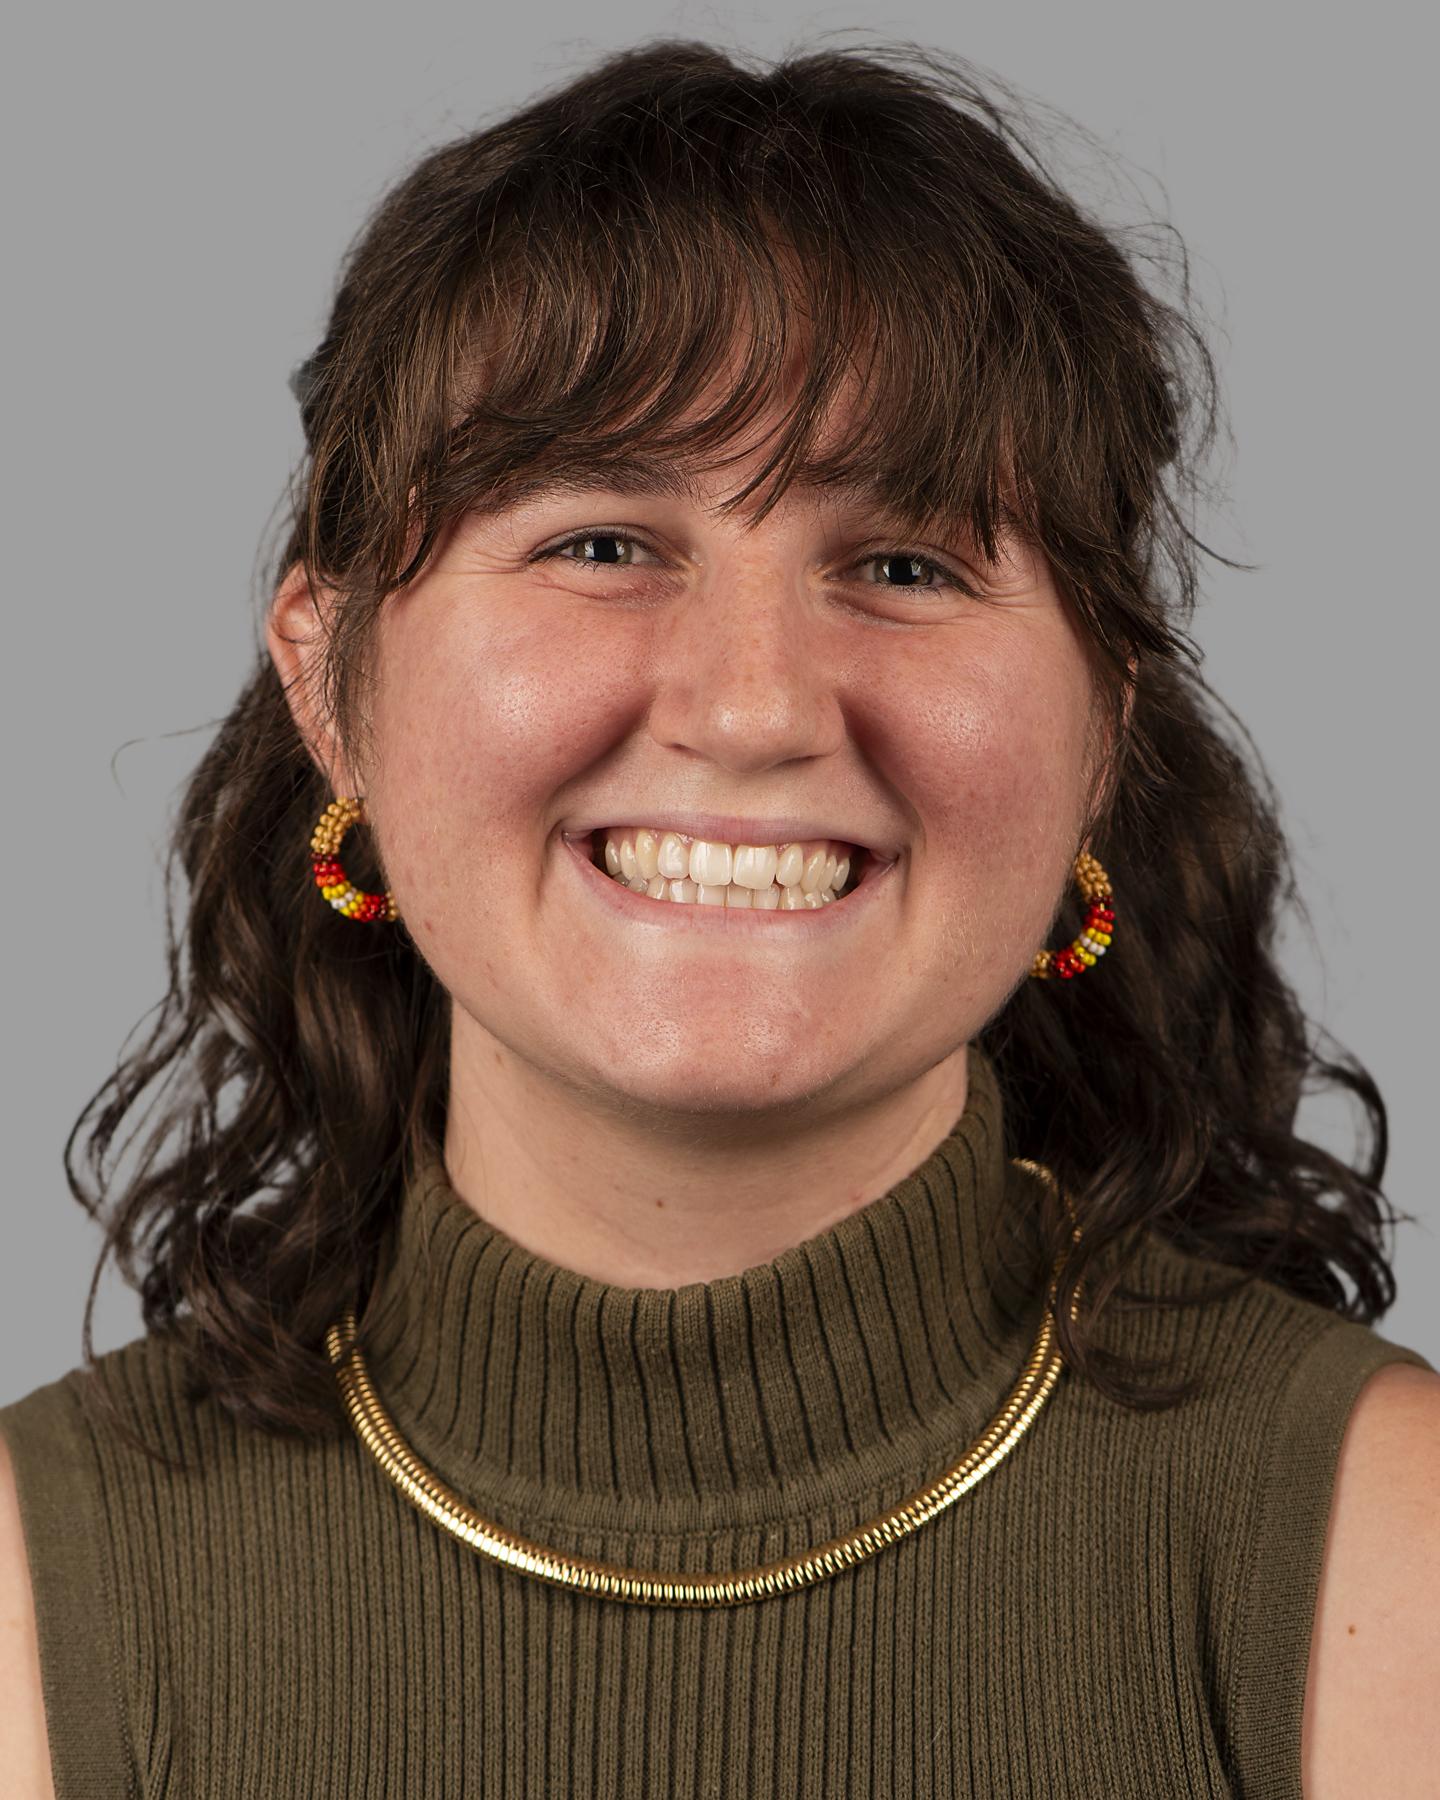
point(751, 1237)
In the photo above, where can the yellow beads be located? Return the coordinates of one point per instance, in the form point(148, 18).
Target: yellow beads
point(1084, 951)
point(334, 884)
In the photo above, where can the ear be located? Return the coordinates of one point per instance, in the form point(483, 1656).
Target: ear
point(297, 630)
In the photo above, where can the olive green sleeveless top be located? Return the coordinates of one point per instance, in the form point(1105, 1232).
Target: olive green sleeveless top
point(1121, 1607)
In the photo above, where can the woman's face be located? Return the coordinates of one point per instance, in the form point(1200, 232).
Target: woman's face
point(746, 684)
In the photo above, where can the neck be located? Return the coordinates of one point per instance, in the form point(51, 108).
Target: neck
point(853, 1362)
point(643, 1200)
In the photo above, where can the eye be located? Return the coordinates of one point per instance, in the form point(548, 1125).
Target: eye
point(616, 549)
point(909, 568)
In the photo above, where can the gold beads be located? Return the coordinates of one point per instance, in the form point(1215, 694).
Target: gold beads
point(334, 884)
point(1084, 951)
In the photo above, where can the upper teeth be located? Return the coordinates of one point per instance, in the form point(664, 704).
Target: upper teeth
point(638, 856)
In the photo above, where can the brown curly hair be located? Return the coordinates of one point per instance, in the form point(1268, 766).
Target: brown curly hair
point(551, 293)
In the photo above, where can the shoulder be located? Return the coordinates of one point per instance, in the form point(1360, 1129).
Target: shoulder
point(147, 1505)
point(24, 1751)
point(67, 1507)
point(111, 1448)
point(1298, 1455)
point(1250, 1343)
point(1374, 1671)
point(1280, 1382)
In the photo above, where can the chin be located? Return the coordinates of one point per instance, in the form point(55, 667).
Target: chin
point(710, 1082)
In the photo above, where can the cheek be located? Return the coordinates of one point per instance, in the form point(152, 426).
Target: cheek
point(998, 751)
point(995, 764)
point(475, 733)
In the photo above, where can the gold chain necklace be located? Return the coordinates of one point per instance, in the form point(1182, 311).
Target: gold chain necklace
point(656, 1587)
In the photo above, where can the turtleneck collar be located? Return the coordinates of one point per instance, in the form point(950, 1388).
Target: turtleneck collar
point(861, 1361)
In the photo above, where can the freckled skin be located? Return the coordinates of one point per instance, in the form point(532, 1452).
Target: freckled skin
point(732, 669)
point(504, 695)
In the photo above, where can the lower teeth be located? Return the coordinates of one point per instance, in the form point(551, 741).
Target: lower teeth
point(687, 892)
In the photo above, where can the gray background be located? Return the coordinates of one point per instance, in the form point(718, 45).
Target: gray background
point(185, 184)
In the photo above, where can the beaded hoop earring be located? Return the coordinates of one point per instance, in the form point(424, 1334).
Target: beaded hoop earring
point(1086, 950)
point(348, 900)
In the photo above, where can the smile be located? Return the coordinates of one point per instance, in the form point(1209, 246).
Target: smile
point(667, 874)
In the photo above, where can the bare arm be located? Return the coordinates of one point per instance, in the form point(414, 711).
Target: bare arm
point(24, 1747)
point(1370, 1722)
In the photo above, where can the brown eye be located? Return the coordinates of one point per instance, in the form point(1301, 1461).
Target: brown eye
point(908, 572)
point(598, 547)
point(904, 569)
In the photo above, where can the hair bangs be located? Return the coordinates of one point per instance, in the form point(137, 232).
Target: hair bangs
point(617, 323)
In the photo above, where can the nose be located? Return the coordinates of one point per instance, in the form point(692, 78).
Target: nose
point(740, 673)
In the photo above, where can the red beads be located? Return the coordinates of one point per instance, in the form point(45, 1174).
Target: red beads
point(330, 876)
point(1084, 951)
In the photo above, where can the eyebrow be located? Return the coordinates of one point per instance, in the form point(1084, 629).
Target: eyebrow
point(653, 480)
point(642, 474)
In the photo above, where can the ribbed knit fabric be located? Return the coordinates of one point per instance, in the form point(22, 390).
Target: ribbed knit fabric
point(1122, 1607)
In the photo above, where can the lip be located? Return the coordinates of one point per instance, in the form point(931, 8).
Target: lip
point(725, 828)
point(670, 915)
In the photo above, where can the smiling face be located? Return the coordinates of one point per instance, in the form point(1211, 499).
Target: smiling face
point(618, 657)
